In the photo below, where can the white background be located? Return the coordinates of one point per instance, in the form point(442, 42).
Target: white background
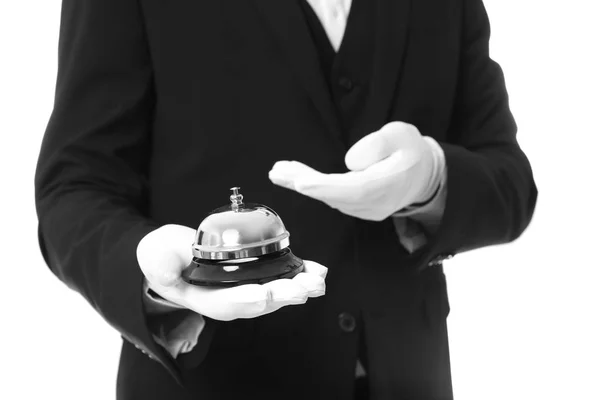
point(525, 316)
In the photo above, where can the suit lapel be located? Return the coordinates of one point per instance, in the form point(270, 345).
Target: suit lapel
point(286, 21)
point(390, 48)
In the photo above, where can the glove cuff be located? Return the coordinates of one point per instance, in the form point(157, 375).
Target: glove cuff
point(437, 172)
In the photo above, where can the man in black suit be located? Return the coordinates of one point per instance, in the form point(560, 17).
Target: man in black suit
point(161, 106)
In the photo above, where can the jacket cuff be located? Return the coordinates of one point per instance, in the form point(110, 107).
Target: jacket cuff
point(411, 234)
point(155, 304)
point(467, 218)
point(174, 327)
point(121, 293)
point(429, 215)
point(178, 331)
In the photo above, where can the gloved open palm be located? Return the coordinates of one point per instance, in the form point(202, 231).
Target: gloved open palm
point(389, 169)
point(165, 252)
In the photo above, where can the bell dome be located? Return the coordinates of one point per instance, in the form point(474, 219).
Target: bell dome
point(240, 230)
point(241, 243)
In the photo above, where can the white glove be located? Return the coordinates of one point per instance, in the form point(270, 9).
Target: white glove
point(390, 169)
point(166, 251)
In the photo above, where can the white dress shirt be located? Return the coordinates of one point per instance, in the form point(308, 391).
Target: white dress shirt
point(333, 14)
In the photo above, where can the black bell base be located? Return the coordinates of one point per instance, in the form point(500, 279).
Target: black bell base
point(222, 273)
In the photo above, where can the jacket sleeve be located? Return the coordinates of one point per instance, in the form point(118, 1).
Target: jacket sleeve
point(91, 177)
point(491, 192)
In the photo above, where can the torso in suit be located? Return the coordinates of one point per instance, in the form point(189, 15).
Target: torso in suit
point(162, 106)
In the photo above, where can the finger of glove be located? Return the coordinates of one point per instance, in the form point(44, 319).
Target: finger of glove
point(297, 176)
point(357, 188)
point(367, 215)
point(284, 292)
point(163, 254)
point(350, 188)
point(346, 208)
point(313, 284)
point(331, 187)
point(380, 145)
point(245, 301)
point(285, 173)
point(314, 268)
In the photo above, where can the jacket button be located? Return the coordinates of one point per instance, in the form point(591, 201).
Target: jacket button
point(141, 349)
point(346, 83)
point(347, 322)
point(438, 260)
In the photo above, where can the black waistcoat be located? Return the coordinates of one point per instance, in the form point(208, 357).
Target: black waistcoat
point(347, 71)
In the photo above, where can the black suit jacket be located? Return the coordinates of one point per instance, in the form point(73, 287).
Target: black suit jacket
point(161, 106)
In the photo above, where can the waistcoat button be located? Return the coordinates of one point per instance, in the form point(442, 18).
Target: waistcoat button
point(346, 83)
point(347, 322)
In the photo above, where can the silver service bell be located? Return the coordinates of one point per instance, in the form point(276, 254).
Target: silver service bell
point(241, 243)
